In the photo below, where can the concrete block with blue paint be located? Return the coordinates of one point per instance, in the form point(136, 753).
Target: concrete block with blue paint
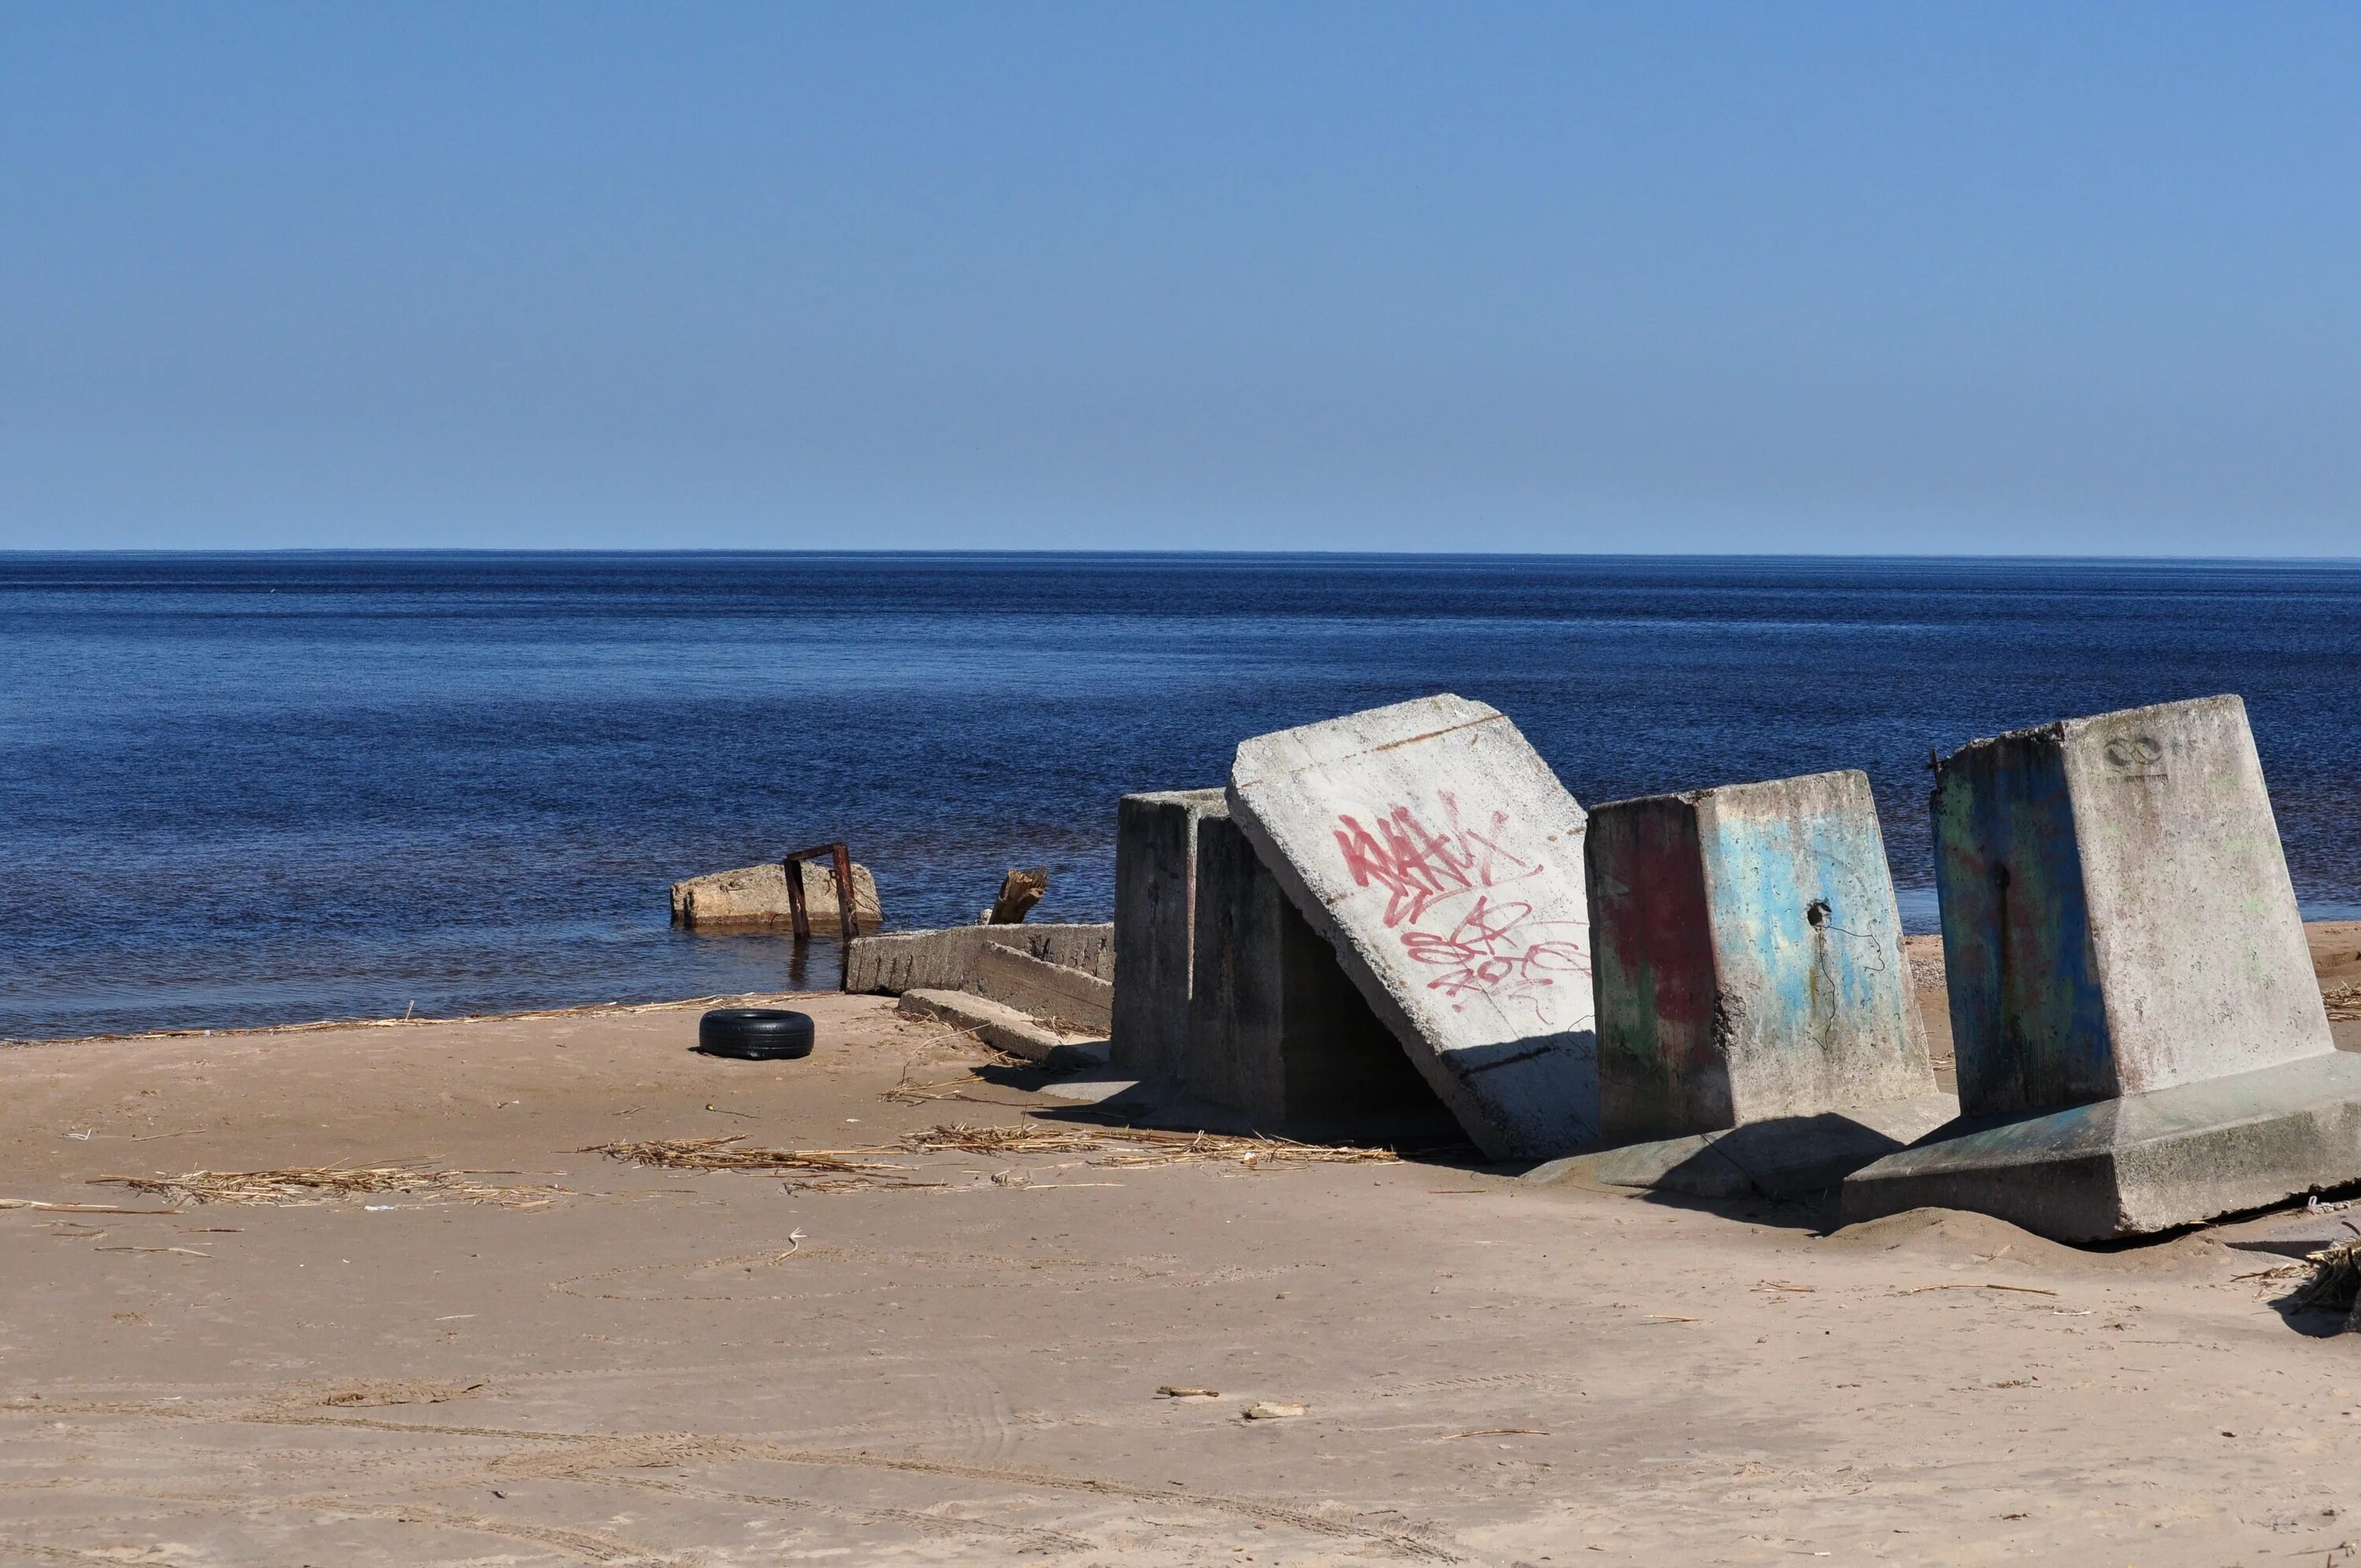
point(2140, 1038)
point(1748, 971)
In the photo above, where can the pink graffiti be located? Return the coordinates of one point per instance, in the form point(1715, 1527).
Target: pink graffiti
point(1492, 949)
point(1489, 951)
point(1417, 865)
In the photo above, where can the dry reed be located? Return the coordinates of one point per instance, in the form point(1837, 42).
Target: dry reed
point(849, 1169)
point(329, 1184)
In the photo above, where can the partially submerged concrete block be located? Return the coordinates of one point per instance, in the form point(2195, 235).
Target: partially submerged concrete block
point(1431, 847)
point(2140, 1038)
point(1154, 916)
point(1068, 998)
point(754, 898)
point(1749, 972)
point(1277, 1030)
point(946, 959)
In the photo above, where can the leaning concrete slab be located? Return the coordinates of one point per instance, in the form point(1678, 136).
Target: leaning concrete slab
point(997, 1025)
point(1749, 973)
point(1431, 847)
point(946, 959)
point(2141, 1042)
point(1277, 1032)
point(1155, 915)
point(1070, 998)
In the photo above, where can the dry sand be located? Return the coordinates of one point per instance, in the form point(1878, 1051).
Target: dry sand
point(643, 1367)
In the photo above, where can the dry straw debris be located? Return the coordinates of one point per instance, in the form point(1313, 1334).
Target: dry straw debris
point(329, 1184)
point(2334, 1285)
point(819, 1170)
point(2344, 1001)
point(830, 1171)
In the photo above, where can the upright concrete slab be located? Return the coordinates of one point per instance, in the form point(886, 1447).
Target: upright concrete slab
point(1154, 916)
point(1749, 972)
point(2141, 1040)
point(1277, 1031)
point(1431, 847)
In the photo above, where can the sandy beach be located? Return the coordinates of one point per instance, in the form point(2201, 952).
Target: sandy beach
point(562, 1357)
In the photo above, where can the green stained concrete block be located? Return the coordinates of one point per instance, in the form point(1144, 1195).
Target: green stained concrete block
point(2121, 941)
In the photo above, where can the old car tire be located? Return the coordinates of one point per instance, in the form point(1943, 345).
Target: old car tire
point(756, 1034)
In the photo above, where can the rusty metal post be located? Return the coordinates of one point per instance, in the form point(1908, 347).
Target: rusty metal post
point(848, 919)
point(798, 917)
point(848, 915)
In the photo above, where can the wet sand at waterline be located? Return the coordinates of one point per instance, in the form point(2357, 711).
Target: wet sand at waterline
point(565, 1358)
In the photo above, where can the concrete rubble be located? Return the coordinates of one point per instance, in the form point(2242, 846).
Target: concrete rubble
point(2140, 1038)
point(1438, 856)
point(1383, 929)
point(1756, 1026)
point(754, 898)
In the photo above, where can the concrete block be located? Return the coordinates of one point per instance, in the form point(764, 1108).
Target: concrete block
point(2141, 1039)
point(946, 959)
point(997, 1025)
point(1154, 916)
point(1431, 847)
point(1749, 972)
point(2117, 914)
point(754, 898)
point(1277, 1031)
point(1070, 998)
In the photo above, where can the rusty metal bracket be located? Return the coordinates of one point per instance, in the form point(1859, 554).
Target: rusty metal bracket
point(848, 921)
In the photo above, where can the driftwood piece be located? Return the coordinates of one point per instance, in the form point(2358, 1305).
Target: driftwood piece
point(1019, 891)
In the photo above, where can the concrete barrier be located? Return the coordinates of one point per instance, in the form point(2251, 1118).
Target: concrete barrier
point(946, 959)
point(1431, 847)
point(1276, 1030)
point(1155, 915)
point(1750, 974)
point(1068, 998)
point(2141, 1039)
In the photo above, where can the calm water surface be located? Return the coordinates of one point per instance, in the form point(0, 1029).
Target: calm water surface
point(260, 788)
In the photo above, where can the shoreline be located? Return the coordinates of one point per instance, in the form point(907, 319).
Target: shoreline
point(2335, 948)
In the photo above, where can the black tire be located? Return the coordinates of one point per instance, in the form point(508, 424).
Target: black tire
point(756, 1034)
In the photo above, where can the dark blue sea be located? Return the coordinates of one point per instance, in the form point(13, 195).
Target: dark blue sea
point(245, 789)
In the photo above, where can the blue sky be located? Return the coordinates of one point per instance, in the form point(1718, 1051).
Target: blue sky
point(1799, 278)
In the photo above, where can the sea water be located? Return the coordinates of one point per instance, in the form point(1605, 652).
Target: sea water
point(245, 789)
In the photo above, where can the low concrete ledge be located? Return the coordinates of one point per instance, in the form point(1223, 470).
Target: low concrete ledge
point(1002, 1028)
point(1785, 1156)
point(1070, 998)
point(2141, 1163)
point(946, 959)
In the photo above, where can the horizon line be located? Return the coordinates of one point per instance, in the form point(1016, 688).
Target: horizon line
point(485, 551)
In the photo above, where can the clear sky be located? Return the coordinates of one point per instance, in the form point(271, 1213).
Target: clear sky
point(1887, 278)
